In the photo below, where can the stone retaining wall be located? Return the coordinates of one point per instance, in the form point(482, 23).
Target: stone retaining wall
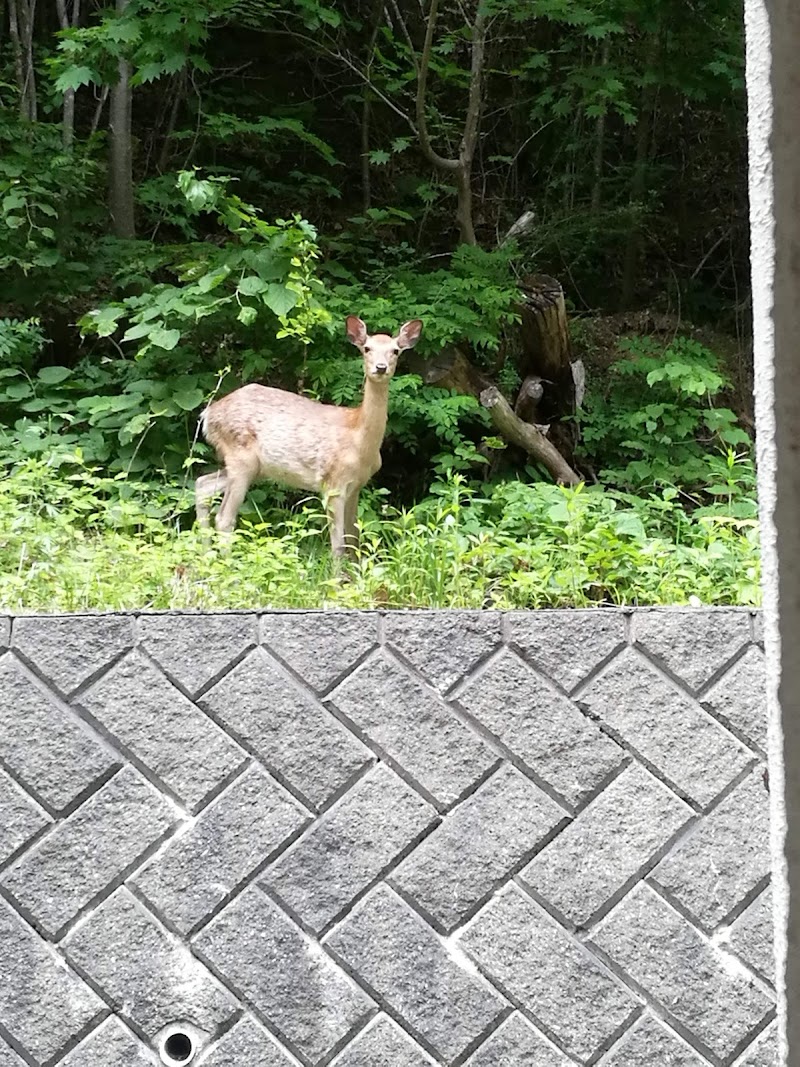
point(385, 840)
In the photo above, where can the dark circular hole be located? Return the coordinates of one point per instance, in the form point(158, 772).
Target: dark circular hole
point(178, 1047)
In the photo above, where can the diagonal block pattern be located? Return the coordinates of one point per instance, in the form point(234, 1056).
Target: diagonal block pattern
point(399, 957)
point(541, 727)
point(379, 839)
point(503, 821)
point(349, 847)
point(286, 728)
point(302, 994)
point(150, 978)
point(554, 980)
point(671, 961)
point(82, 856)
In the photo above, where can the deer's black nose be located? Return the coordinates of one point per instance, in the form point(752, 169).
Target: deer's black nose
point(381, 368)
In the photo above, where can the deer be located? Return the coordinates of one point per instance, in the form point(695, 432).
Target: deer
point(266, 434)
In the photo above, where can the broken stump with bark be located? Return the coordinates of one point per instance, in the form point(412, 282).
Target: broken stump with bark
point(540, 419)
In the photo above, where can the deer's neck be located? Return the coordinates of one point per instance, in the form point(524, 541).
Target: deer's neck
point(372, 414)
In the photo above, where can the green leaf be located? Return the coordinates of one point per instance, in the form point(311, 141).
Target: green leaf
point(213, 279)
point(138, 330)
point(279, 299)
point(379, 157)
point(188, 398)
point(75, 77)
point(53, 375)
point(13, 200)
point(105, 320)
point(247, 316)
point(251, 286)
point(166, 339)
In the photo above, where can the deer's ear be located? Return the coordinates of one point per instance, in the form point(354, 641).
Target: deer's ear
point(410, 333)
point(356, 331)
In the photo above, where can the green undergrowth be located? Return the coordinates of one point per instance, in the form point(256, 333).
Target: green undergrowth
point(81, 541)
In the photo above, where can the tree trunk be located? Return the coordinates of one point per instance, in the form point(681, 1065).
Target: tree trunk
point(542, 353)
point(21, 15)
point(121, 194)
point(68, 21)
point(461, 167)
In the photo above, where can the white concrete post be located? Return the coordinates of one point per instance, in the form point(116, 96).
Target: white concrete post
point(773, 85)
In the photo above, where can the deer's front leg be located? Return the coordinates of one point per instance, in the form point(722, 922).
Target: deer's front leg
point(351, 522)
point(335, 507)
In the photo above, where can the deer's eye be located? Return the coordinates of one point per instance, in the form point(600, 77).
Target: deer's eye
point(367, 350)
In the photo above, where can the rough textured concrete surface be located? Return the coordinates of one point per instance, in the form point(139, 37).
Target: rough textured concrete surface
point(411, 839)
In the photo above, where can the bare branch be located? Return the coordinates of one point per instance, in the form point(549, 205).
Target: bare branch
point(430, 153)
point(401, 22)
point(475, 105)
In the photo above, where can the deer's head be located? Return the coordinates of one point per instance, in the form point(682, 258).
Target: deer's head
point(380, 351)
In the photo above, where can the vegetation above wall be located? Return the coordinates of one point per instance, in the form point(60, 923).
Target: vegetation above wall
point(195, 195)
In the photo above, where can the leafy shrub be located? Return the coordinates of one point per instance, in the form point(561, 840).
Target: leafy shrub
point(657, 423)
point(71, 539)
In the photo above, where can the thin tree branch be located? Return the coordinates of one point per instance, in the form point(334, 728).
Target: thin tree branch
point(428, 150)
point(475, 104)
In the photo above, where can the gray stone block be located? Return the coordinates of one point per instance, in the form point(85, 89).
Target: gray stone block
point(541, 727)
point(43, 1004)
point(349, 847)
point(302, 994)
point(758, 627)
point(443, 646)
point(567, 645)
point(724, 857)
point(751, 936)
point(145, 974)
point(82, 856)
point(194, 649)
point(112, 1044)
point(159, 726)
point(67, 650)
point(553, 978)
point(247, 1045)
point(517, 1044)
point(693, 645)
point(609, 843)
point(8, 1057)
point(20, 817)
point(291, 733)
point(196, 871)
point(320, 646)
point(399, 956)
point(739, 698)
point(5, 632)
point(414, 727)
point(675, 965)
point(764, 1052)
point(685, 745)
point(649, 1043)
point(383, 1044)
point(477, 846)
point(45, 747)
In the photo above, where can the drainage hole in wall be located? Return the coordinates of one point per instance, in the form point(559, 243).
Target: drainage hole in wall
point(179, 1047)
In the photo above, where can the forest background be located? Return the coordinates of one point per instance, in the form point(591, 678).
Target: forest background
point(194, 193)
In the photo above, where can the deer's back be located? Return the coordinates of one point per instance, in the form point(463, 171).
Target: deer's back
point(288, 438)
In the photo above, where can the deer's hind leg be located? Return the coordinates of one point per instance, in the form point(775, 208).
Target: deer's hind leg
point(206, 487)
point(241, 472)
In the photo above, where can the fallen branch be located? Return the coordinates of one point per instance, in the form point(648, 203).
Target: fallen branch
point(452, 370)
point(526, 436)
